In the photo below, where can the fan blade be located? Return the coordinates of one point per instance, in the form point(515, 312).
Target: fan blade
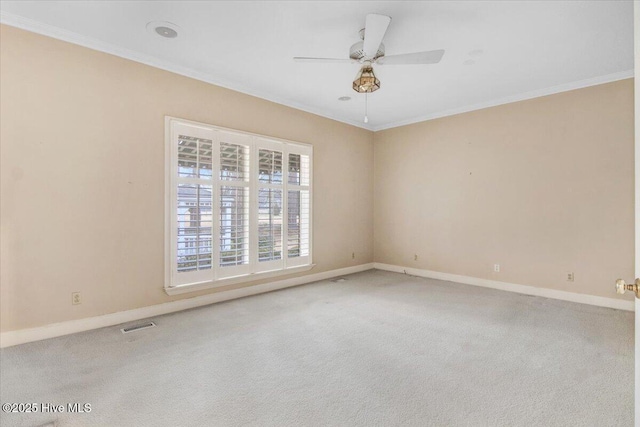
point(374, 30)
point(430, 57)
point(316, 60)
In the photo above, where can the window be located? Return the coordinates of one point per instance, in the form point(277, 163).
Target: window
point(238, 205)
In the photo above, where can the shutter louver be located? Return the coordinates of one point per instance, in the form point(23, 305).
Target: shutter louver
point(234, 162)
point(194, 202)
point(234, 226)
point(270, 205)
point(269, 224)
point(234, 205)
point(299, 171)
point(194, 227)
point(298, 202)
point(269, 167)
point(194, 157)
point(298, 217)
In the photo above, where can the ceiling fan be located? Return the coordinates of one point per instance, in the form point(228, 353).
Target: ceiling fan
point(371, 51)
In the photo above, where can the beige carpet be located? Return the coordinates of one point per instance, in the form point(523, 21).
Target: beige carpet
point(380, 349)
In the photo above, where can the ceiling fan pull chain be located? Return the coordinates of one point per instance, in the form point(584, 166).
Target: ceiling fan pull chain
point(366, 107)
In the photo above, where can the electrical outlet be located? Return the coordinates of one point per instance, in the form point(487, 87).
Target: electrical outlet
point(570, 277)
point(496, 268)
point(415, 257)
point(353, 255)
point(75, 298)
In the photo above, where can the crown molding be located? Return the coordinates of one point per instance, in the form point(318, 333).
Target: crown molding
point(579, 84)
point(52, 31)
point(91, 43)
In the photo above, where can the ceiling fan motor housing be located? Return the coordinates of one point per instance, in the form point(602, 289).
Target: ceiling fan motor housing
point(356, 52)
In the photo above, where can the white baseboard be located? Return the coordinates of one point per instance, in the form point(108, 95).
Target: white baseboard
point(8, 339)
point(22, 336)
point(512, 287)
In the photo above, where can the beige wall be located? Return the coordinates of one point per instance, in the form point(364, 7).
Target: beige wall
point(542, 187)
point(82, 173)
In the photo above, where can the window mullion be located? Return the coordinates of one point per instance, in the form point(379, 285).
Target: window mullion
point(253, 207)
point(285, 206)
point(215, 207)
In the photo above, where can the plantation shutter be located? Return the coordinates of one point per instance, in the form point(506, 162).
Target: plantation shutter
point(270, 210)
point(298, 207)
point(191, 204)
point(233, 212)
point(236, 204)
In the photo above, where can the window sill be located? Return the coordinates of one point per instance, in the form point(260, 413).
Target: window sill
point(193, 287)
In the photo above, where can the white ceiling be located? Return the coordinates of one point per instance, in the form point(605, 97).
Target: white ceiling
point(529, 48)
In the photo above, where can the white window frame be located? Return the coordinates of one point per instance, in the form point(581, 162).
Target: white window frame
point(222, 276)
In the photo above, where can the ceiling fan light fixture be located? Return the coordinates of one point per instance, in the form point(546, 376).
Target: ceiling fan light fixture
point(366, 81)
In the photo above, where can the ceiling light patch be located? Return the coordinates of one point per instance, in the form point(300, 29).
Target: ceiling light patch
point(167, 30)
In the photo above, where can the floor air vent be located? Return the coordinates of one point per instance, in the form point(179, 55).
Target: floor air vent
point(138, 327)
